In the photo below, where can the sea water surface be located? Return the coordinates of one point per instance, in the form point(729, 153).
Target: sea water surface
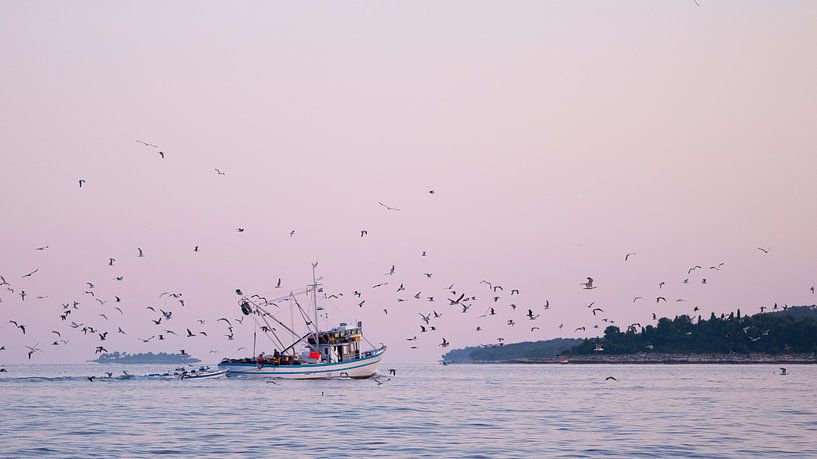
point(442, 411)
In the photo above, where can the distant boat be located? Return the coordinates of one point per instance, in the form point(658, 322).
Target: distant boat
point(325, 354)
point(204, 374)
point(183, 373)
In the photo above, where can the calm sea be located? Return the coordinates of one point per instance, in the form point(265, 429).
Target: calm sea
point(454, 411)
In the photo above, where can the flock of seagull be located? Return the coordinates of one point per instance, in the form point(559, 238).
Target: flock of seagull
point(487, 301)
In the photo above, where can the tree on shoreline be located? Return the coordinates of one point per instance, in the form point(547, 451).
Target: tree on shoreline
point(770, 333)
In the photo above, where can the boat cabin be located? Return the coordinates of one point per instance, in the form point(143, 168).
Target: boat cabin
point(339, 344)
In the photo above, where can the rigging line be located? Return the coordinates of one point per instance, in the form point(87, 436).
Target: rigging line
point(271, 330)
point(305, 317)
point(337, 309)
point(296, 292)
point(263, 313)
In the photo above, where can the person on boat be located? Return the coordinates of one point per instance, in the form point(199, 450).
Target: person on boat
point(276, 357)
point(261, 360)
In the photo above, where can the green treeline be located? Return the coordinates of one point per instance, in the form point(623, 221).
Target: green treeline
point(791, 331)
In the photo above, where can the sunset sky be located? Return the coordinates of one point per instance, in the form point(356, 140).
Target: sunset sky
point(557, 136)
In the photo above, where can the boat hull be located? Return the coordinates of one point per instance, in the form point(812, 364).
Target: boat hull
point(207, 375)
point(364, 367)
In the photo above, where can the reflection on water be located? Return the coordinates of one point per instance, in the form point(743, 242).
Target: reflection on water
point(453, 411)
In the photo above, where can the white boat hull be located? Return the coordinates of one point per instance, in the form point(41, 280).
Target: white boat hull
point(364, 367)
point(207, 375)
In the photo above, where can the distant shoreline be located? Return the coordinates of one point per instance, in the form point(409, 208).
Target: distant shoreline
point(145, 358)
point(664, 359)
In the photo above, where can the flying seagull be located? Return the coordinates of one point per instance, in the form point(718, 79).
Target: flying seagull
point(387, 207)
point(589, 284)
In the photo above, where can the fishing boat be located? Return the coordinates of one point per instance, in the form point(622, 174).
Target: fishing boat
point(324, 354)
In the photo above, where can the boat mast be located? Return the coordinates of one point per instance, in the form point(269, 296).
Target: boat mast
point(315, 306)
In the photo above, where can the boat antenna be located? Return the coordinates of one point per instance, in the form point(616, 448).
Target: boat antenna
point(254, 333)
point(315, 305)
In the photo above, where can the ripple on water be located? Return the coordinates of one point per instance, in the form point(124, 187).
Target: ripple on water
point(453, 411)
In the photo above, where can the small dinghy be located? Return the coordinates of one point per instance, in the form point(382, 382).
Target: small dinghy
point(204, 373)
point(184, 373)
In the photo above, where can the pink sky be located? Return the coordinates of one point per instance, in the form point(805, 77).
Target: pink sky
point(558, 137)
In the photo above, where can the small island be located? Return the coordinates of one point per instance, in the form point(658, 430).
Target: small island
point(148, 357)
point(788, 336)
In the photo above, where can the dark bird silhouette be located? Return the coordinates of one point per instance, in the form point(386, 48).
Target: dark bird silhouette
point(457, 301)
point(31, 273)
point(764, 250)
point(33, 349)
point(141, 254)
point(589, 284)
point(20, 326)
point(81, 182)
point(609, 378)
point(660, 298)
point(627, 257)
point(219, 172)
